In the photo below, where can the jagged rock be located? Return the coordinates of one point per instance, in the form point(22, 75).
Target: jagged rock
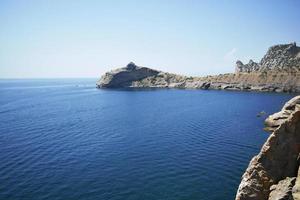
point(282, 190)
point(131, 66)
point(239, 66)
point(205, 85)
point(253, 66)
point(284, 57)
point(250, 67)
point(292, 104)
point(296, 188)
point(277, 159)
point(273, 121)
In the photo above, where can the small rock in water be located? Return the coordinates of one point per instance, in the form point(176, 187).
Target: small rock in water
point(261, 114)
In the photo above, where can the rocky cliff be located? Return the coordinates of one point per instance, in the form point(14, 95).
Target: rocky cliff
point(279, 71)
point(274, 173)
point(279, 58)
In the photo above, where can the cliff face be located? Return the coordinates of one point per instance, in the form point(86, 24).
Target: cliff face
point(279, 58)
point(271, 175)
point(278, 71)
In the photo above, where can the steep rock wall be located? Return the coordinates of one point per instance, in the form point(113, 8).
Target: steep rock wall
point(278, 159)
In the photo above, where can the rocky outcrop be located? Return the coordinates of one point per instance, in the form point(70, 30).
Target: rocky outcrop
point(278, 71)
point(296, 188)
point(250, 67)
point(282, 190)
point(124, 77)
point(284, 57)
point(270, 173)
point(275, 120)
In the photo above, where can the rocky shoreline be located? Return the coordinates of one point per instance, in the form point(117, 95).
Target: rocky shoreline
point(278, 71)
point(274, 174)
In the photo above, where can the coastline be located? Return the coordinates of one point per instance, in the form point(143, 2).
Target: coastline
point(278, 71)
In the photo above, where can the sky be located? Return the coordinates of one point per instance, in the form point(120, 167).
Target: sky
point(86, 38)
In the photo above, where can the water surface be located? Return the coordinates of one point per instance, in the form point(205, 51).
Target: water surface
point(64, 139)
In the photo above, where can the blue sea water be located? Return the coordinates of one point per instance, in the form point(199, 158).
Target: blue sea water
point(64, 139)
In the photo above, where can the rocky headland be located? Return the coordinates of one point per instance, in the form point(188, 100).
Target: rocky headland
point(278, 71)
point(274, 173)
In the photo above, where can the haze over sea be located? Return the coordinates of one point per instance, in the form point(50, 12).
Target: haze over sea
point(64, 139)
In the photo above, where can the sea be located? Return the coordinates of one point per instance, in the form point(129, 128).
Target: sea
point(64, 139)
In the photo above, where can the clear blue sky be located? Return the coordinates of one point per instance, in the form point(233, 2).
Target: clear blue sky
point(73, 38)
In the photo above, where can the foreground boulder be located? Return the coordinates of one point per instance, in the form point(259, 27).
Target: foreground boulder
point(270, 173)
point(283, 190)
point(278, 71)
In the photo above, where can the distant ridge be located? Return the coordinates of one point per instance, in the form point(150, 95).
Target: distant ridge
point(278, 71)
